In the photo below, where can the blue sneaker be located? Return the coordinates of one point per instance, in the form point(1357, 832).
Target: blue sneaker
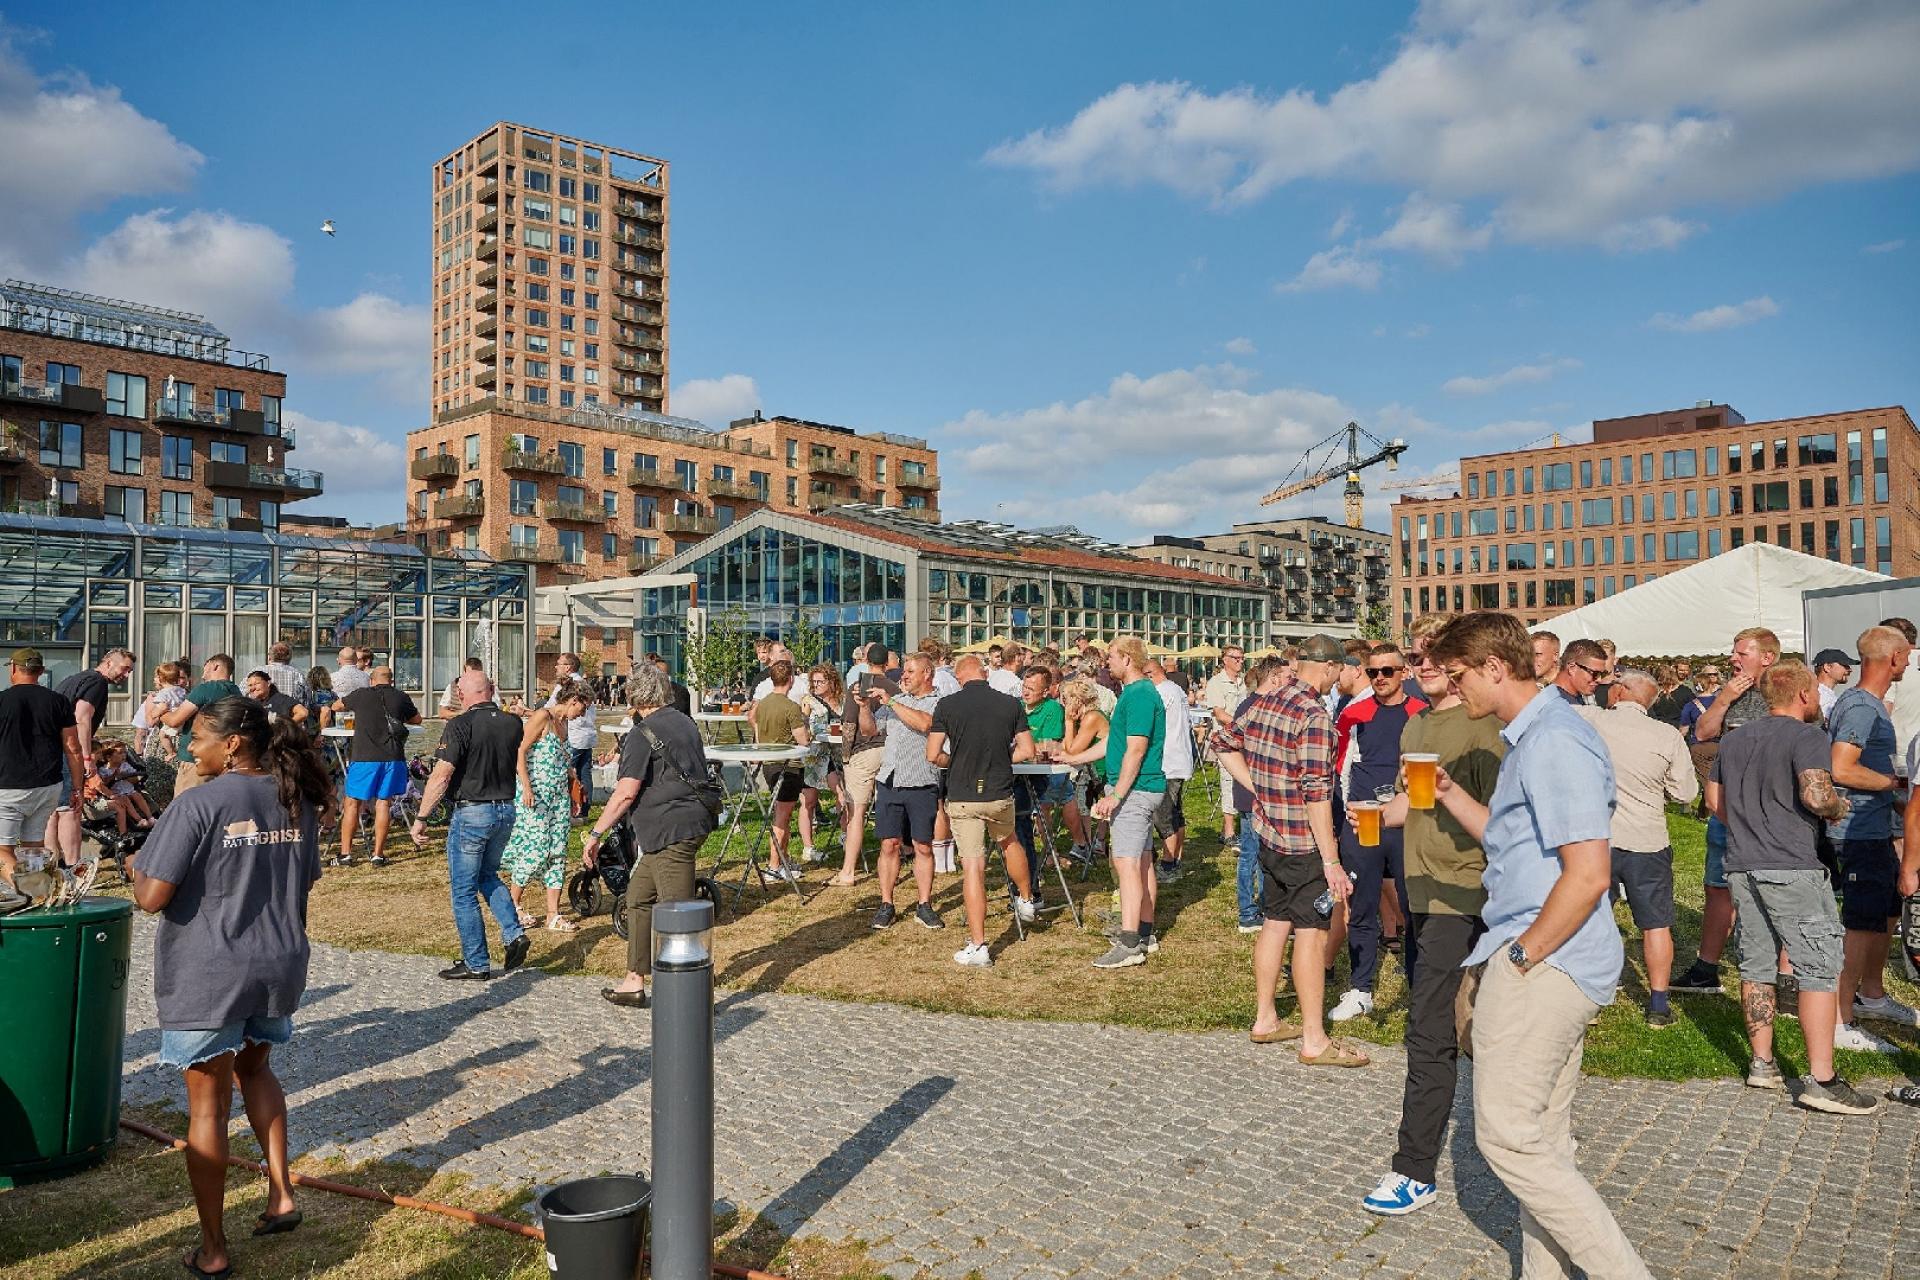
point(1397, 1195)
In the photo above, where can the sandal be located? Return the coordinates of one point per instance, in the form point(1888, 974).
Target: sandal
point(1279, 1035)
point(841, 882)
point(1338, 1053)
point(192, 1263)
point(529, 922)
point(560, 924)
point(273, 1224)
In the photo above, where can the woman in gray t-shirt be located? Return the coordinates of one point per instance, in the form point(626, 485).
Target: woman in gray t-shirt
point(228, 868)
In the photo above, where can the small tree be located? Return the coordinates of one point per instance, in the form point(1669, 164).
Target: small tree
point(807, 641)
point(721, 655)
point(1374, 626)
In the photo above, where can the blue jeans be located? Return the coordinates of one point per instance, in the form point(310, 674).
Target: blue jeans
point(583, 769)
point(1248, 881)
point(475, 840)
point(1716, 874)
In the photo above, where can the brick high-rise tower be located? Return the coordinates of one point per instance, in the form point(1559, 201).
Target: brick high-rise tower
point(549, 274)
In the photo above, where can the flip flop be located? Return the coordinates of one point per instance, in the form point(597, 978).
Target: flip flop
point(1279, 1035)
point(625, 999)
point(1338, 1053)
point(273, 1224)
point(191, 1263)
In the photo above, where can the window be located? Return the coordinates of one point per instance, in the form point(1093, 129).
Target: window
point(1646, 508)
point(1606, 471)
point(1626, 509)
point(537, 180)
point(793, 490)
point(1713, 542)
point(610, 545)
point(1481, 520)
point(1690, 504)
point(1770, 497)
point(572, 495)
point(1559, 592)
point(574, 458)
point(1586, 473)
point(1506, 487)
point(1883, 539)
point(1712, 457)
point(1880, 465)
point(1526, 480)
point(270, 410)
point(227, 509)
point(537, 315)
point(177, 402)
point(610, 502)
point(176, 507)
point(537, 292)
point(1520, 555)
point(471, 447)
point(1586, 551)
point(1626, 469)
point(1626, 549)
point(1713, 502)
point(1683, 545)
point(688, 473)
point(269, 514)
point(59, 444)
point(536, 237)
point(646, 511)
point(1596, 511)
point(1780, 454)
point(123, 452)
point(573, 547)
point(226, 400)
point(1735, 494)
point(58, 374)
point(126, 504)
point(523, 535)
point(1556, 475)
point(1647, 548)
point(1857, 527)
point(127, 395)
point(609, 462)
point(1676, 464)
point(1830, 491)
point(227, 451)
point(1513, 522)
point(1473, 485)
point(1733, 459)
point(176, 458)
point(522, 496)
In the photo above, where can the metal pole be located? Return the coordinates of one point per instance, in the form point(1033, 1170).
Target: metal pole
point(682, 1091)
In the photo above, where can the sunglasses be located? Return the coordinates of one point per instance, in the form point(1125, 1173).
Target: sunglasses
point(1378, 672)
point(1595, 672)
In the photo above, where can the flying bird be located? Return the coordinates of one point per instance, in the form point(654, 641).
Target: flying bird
point(327, 226)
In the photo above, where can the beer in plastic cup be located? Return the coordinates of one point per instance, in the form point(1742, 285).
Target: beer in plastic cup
point(1420, 767)
point(1367, 824)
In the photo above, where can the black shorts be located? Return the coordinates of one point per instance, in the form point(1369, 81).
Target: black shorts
point(1288, 888)
point(1171, 816)
point(1869, 884)
point(905, 813)
point(785, 784)
point(1645, 880)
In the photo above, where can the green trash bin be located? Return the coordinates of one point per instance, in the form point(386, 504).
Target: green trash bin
point(63, 983)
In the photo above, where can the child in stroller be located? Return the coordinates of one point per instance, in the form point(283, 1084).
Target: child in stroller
point(604, 884)
point(115, 782)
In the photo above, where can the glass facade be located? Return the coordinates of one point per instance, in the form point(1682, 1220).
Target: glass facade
point(970, 602)
point(75, 588)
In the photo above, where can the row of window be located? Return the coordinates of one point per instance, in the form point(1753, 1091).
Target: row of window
point(61, 445)
point(1551, 593)
point(1822, 449)
point(127, 393)
point(1672, 504)
point(126, 502)
point(573, 459)
point(1673, 546)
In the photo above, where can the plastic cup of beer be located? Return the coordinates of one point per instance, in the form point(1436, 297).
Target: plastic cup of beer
point(1366, 822)
point(1420, 767)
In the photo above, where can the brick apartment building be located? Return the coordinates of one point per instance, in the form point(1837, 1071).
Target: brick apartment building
point(589, 493)
point(115, 410)
point(1320, 576)
point(549, 273)
point(1541, 531)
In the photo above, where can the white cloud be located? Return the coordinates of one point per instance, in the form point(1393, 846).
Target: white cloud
point(235, 273)
point(1519, 375)
point(373, 334)
point(1240, 347)
point(1341, 225)
point(72, 147)
point(716, 401)
point(1337, 268)
point(355, 460)
point(1635, 113)
point(1440, 231)
point(1728, 316)
point(1886, 246)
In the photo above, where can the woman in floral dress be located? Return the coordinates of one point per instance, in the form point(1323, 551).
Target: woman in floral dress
point(543, 813)
point(821, 705)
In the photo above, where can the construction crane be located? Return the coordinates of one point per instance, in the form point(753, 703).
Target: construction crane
point(1451, 479)
point(1331, 466)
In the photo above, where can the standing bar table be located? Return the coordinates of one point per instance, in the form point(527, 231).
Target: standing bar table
point(752, 792)
point(1043, 840)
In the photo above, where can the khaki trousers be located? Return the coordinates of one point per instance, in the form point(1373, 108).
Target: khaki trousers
point(1528, 1030)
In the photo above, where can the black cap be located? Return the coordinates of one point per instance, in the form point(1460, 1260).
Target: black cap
point(1825, 656)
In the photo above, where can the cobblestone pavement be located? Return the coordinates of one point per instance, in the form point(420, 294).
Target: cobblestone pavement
point(955, 1145)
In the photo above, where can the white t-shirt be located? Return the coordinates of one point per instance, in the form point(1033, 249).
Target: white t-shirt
point(1004, 680)
point(946, 683)
point(1176, 758)
point(1828, 696)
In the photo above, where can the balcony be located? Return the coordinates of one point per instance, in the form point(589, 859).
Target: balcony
point(488, 247)
point(531, 553)
point(1374, 551)
point(640, 239)
point(638, 364)
point(735, 489)
point(641, 561)
point(68, 397)
point(573, 512)
point(487, 275)
point(488, 301)
point(925, 482)
point(250, 422)
point(699, 526)
point(289, 481)
point(14, 448)
point(545, 464)
point(571, 569)
point(637, 266)
point(653, 478)
point(486, 328)
point(487, 221)
point(488, 191)
point(929, 514)
point(461, 506)
point(486, 352)
point(435, 466)
point(640, 314)
point(645, 213)
point(1343, 593)
point(484, 378)
point(834, 466)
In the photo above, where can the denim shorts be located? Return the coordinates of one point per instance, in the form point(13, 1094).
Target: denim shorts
point(1059, 789)
point(1716, 876)
point(189, 1048)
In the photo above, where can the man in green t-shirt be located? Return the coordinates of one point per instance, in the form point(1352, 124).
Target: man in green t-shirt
point(1136, 737)
point(778, 721)
point(216, 682)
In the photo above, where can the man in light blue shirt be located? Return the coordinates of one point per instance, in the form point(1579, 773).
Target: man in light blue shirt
point(1551, 955)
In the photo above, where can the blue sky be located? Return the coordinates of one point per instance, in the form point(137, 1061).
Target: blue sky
point(1121, 263)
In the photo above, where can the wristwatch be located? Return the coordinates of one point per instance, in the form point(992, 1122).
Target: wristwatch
point(1518, 955)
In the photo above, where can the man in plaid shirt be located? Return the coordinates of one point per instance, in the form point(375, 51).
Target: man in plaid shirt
point(1281, 749)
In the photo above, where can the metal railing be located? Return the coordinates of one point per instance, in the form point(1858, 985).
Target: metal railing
point(573, 512)
point(460, 506)
point(546, 463)
point(212, 350)
point(435, 466)
point(834, 466)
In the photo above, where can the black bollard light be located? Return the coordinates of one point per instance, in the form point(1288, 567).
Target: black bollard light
point(682, 1091)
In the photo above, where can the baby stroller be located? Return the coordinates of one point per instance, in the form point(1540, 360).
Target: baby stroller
point(604, 885)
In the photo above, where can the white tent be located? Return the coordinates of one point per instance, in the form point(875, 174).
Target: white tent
point(1698, 609)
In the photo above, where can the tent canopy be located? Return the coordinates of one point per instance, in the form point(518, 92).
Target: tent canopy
point(1698, 609)
point(1202, 651)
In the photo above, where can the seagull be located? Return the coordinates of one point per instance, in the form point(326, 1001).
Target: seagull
point(327, 226)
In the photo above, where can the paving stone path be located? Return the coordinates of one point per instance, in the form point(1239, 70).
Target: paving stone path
point(955, 1145)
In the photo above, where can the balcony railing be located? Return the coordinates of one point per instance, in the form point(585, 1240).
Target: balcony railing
point(485, 377)
point(637, 266)
point(640, 239)
point(645, 213)
point(641, 561)
point(488, 191)
point(487, 275)
point(435, 466)
point(701, 525)
point(549, 464)
point(653, 478)
point(487, 221)
point(638, 364)
point(926, 481)
point(834, 466)
point(487, 301)
point(531, 553)
point(640, 314)
point(488, 247)
point(70, 397)
point(486, 328)
point(486, 351)
point(573, 512)
point(14, 447)
point(736, 489)
point(240, 475)
point(929, 514)
point(461, 506)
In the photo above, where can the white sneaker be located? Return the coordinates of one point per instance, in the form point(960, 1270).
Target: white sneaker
point(974, 956)
point(1885, 1009)
point(1351, 1006)
point(1847, 1035)
point(1024, 908)
point(811, 854)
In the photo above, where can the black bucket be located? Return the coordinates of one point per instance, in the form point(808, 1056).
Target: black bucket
point(596, 1227)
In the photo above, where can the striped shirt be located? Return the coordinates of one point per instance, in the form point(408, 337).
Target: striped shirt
point(1287, 739)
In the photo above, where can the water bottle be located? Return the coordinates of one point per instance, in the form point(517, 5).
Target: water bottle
point(1324, 903)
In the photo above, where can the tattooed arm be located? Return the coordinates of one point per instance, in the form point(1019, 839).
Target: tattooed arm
point(1818, 795)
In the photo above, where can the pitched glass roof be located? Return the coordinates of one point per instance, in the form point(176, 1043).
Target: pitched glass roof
point(37, 308)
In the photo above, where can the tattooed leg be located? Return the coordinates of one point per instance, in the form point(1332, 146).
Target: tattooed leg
point(1756, 1002)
